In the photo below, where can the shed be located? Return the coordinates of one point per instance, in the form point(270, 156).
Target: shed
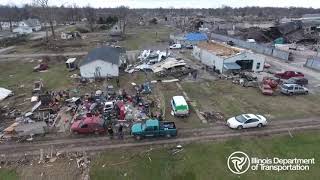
point(102, 62)
point(71, 63)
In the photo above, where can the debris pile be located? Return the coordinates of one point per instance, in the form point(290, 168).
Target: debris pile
point(161, 64)
point(213, 116)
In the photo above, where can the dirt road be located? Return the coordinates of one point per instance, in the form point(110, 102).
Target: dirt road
point(3, 57)
point(218, 131)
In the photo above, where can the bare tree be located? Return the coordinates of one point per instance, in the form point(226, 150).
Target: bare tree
point(122, 13)
point(90, 14)
point(9, 14)
point(47, 13)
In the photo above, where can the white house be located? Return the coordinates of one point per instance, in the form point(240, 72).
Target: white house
point(34, 24)
point(22, 30)
point(102, 62)
point(224, 58)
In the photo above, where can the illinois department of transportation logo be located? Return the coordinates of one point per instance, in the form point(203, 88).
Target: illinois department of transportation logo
point(238, 162)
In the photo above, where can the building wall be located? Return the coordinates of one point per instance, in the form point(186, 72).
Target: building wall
point(106, 69)
point(22, 30)
point(313, 63)
point(206, 57)
point(248, 56)
point(210, 59)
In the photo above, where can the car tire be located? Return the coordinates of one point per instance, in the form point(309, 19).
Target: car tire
point(306, 93)
point(168, 135)
point(291, 94)
point(75, 132)
point(259, 125)
point(240, 127)
point(96, 132)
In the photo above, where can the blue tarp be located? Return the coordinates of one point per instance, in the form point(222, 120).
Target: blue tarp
point(196, 37)
point(231, 66)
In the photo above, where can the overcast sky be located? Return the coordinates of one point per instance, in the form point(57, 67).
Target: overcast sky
point(175, 3)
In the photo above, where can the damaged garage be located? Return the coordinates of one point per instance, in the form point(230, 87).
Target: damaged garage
point(223, 59)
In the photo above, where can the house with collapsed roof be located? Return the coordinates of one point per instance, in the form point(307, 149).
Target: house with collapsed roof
point(102, 62)
point(223, 58)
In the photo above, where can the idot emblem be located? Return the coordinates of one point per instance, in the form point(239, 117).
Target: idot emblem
point(238, 162)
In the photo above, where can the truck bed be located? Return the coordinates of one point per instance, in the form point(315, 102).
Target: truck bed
point(167, 125)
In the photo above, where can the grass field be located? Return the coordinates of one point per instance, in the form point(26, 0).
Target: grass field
point(207, 161)
point(230, 99)
point(6, 174)
point(168, 91)
point(141, 37)
point(15, 73)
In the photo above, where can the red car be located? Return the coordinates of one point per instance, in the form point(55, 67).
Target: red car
point(266, 89)
point(289, 74)
point(88, 125)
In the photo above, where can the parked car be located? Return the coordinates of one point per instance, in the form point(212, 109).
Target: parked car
point(153, 128)
point(230, 43)
point(291, 89)
point(297, 80)
point(179, 106)
point(247, 121)
point(288, 74)
point(88, 125)
point(266, 89)
point(175, 46)
point(189, 46)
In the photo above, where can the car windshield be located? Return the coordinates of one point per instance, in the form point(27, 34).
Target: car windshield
point(241, 119)
point(285, 87)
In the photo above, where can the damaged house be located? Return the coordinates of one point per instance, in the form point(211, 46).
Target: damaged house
point(223, 59)
point(102, 62)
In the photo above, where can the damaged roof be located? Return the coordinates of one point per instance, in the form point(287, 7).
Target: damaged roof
point(219, 49)
point(104, 53)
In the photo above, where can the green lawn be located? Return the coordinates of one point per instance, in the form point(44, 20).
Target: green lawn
point(207, 161)
point(13, 74)
point(6, 174)
point(143, 36)
point(168, 90)
point(233, 99)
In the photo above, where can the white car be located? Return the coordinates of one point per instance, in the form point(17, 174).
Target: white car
point(246, 121)
point(175, 46)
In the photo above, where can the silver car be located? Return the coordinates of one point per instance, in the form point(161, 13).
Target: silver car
point(292, 89)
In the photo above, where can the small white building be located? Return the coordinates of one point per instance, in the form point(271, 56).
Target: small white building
point(71, 63)
point(22, 30)
point(102, 62)
point(34, 24)
point(223, 58)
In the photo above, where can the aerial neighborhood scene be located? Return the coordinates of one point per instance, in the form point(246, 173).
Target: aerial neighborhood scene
point(159, 90)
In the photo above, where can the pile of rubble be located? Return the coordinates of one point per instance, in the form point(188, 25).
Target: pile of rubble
point(161, 63)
